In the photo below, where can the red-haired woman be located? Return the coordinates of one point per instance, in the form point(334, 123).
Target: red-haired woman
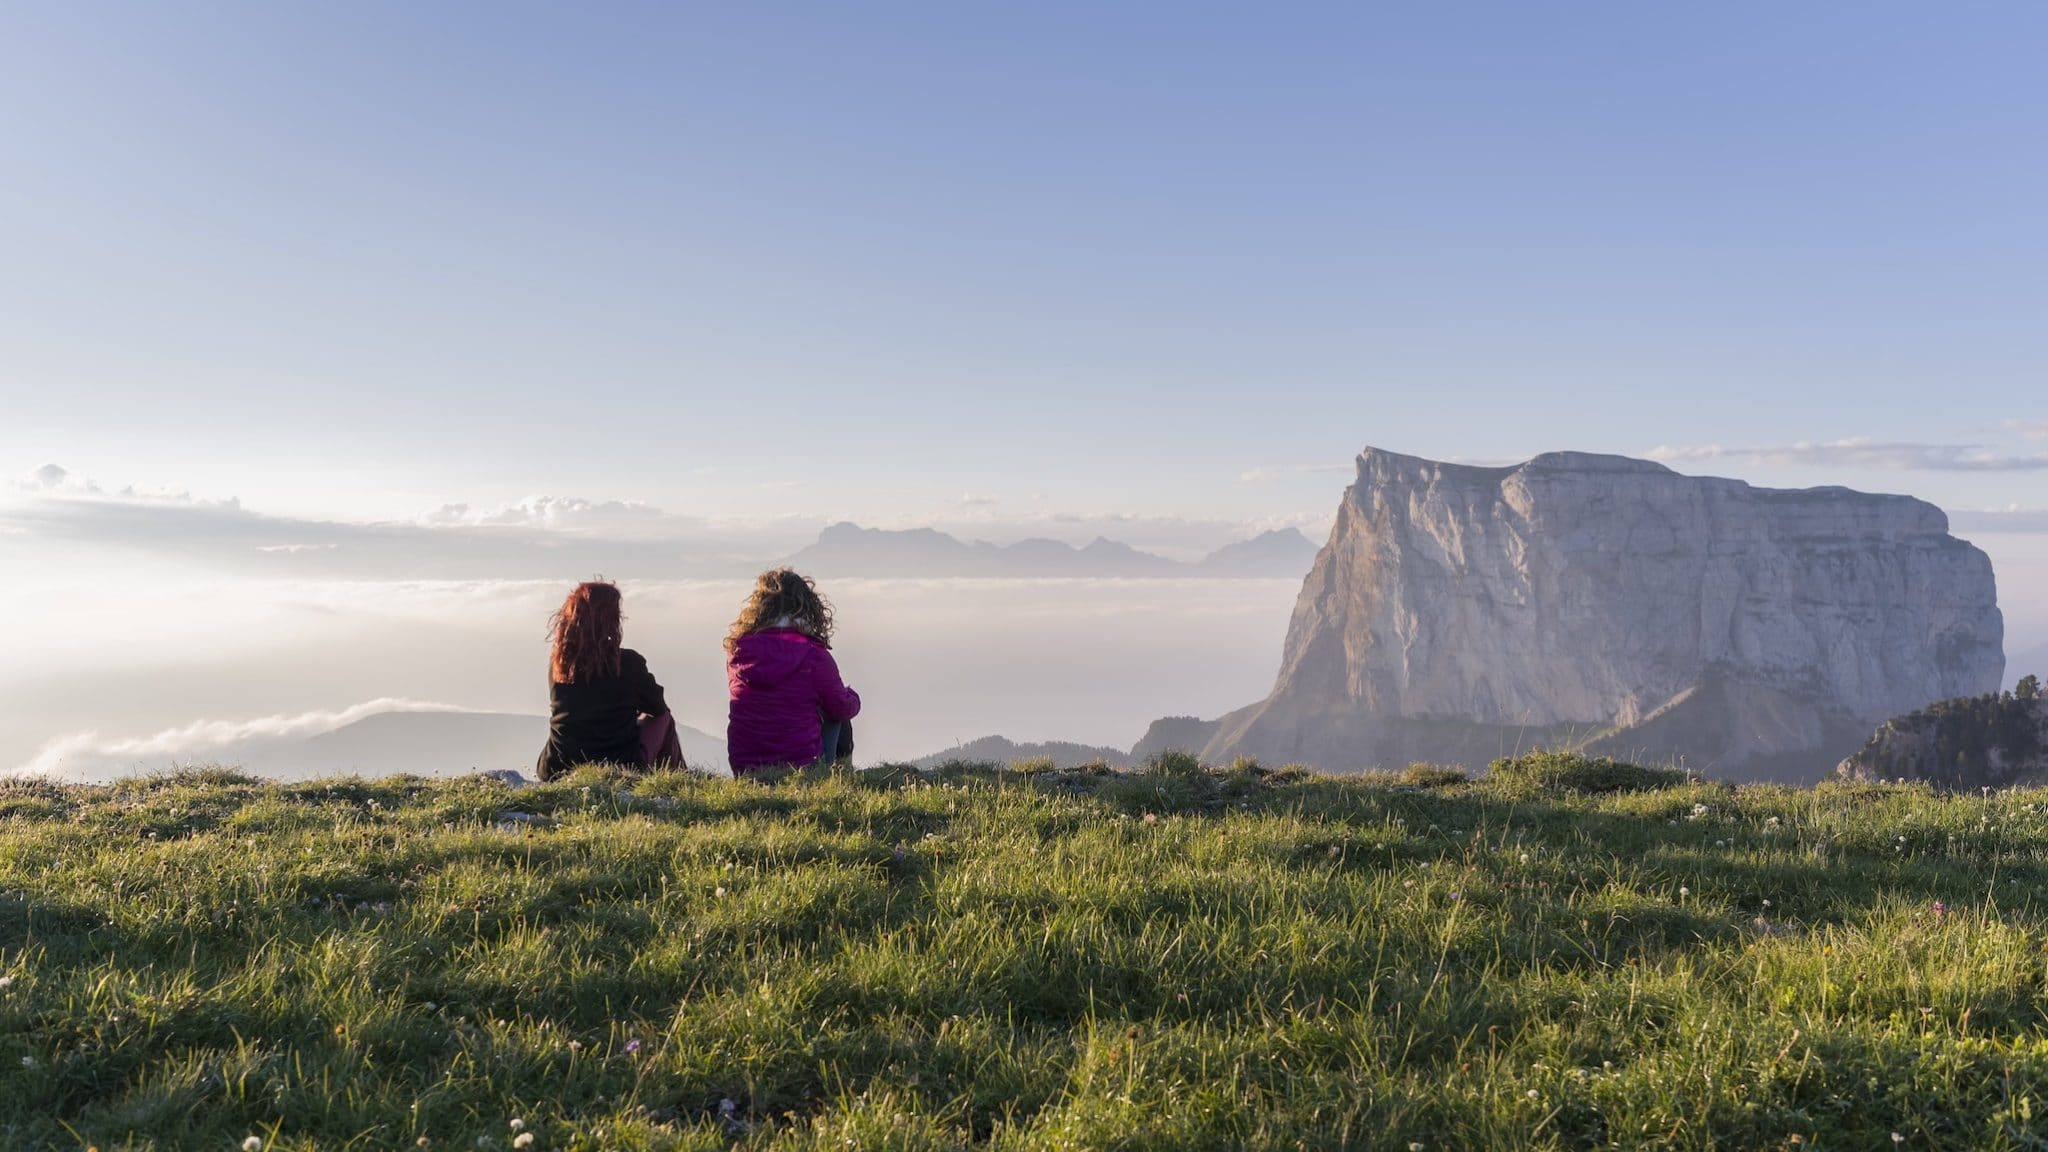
point(606, 706)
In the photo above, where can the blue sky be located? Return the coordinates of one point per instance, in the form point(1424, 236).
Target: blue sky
point(701, 278)
point(872, 260)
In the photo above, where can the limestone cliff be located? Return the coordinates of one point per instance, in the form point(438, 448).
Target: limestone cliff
point(1612, 604)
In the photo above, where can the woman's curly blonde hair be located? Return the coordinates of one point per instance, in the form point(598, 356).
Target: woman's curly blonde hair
point(783, 598)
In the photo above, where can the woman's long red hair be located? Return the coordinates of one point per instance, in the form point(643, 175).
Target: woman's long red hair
point(585, 634)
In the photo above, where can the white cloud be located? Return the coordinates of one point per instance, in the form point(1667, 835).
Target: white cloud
point(89, 755)
point(56, 479)
point(2031, 429)
point(1863, 454)
point(555, 513)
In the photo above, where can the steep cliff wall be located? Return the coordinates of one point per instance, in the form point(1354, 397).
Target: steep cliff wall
point(1613, 604)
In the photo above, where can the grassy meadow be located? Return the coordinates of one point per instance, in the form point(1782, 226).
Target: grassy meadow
point(1559, 956)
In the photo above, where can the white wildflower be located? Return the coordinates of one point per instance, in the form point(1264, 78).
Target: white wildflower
point(517, 1123)
point(523, 1140)
point(253, 1144)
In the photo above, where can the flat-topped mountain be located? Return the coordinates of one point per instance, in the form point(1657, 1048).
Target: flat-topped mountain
point(847, 549)
point(1607, 603)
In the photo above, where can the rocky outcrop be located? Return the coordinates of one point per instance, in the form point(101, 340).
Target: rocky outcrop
point(1175, 734)
point(1609, 604)
point(1997, 740)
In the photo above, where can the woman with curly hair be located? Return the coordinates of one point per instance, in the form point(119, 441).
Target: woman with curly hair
point(605, 705)
point(789, 707)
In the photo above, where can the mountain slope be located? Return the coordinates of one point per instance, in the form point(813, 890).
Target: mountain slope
point(429, 744)
point(1001, 750)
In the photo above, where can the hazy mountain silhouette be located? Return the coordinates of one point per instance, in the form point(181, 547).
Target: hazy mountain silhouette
point(1281, 552)
point(1004, 751)
point(847, 549)
point(426, 744)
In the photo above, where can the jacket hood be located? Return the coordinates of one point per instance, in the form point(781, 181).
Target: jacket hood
point(767, 658)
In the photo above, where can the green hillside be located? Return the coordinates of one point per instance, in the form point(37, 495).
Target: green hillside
point(1174, 959)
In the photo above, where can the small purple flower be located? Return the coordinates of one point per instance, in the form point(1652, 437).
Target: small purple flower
point(1940, 909)
point(1457, 896)
point(632, 1047)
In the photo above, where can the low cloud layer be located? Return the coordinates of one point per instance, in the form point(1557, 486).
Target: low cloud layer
point(937, 661)
point(1864, 455)
point(91, 756)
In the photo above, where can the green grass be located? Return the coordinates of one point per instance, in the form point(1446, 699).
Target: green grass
point(1177, 959)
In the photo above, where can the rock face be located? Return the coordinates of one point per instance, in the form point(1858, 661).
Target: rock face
point(1993, 741)
point(1599, 602)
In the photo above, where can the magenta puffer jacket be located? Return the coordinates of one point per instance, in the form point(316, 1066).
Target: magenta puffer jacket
point(781, 681)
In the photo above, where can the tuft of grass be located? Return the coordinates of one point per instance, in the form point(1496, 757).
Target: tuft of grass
point(977, 956)
point(1559, 773)
point(1431, 776)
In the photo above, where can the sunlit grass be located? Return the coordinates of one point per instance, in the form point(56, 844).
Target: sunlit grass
point(1045, 959)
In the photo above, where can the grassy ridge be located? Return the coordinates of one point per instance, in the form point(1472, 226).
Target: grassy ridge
point(1179, 959)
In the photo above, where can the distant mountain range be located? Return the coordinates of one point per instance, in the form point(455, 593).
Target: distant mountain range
point(850, 550)
point(1000, 750)
point(423, 744)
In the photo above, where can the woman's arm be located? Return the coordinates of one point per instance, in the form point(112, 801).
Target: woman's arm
point(835, 699)
point(648, 698)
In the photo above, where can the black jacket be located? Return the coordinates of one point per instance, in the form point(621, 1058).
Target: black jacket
point(598, 720)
